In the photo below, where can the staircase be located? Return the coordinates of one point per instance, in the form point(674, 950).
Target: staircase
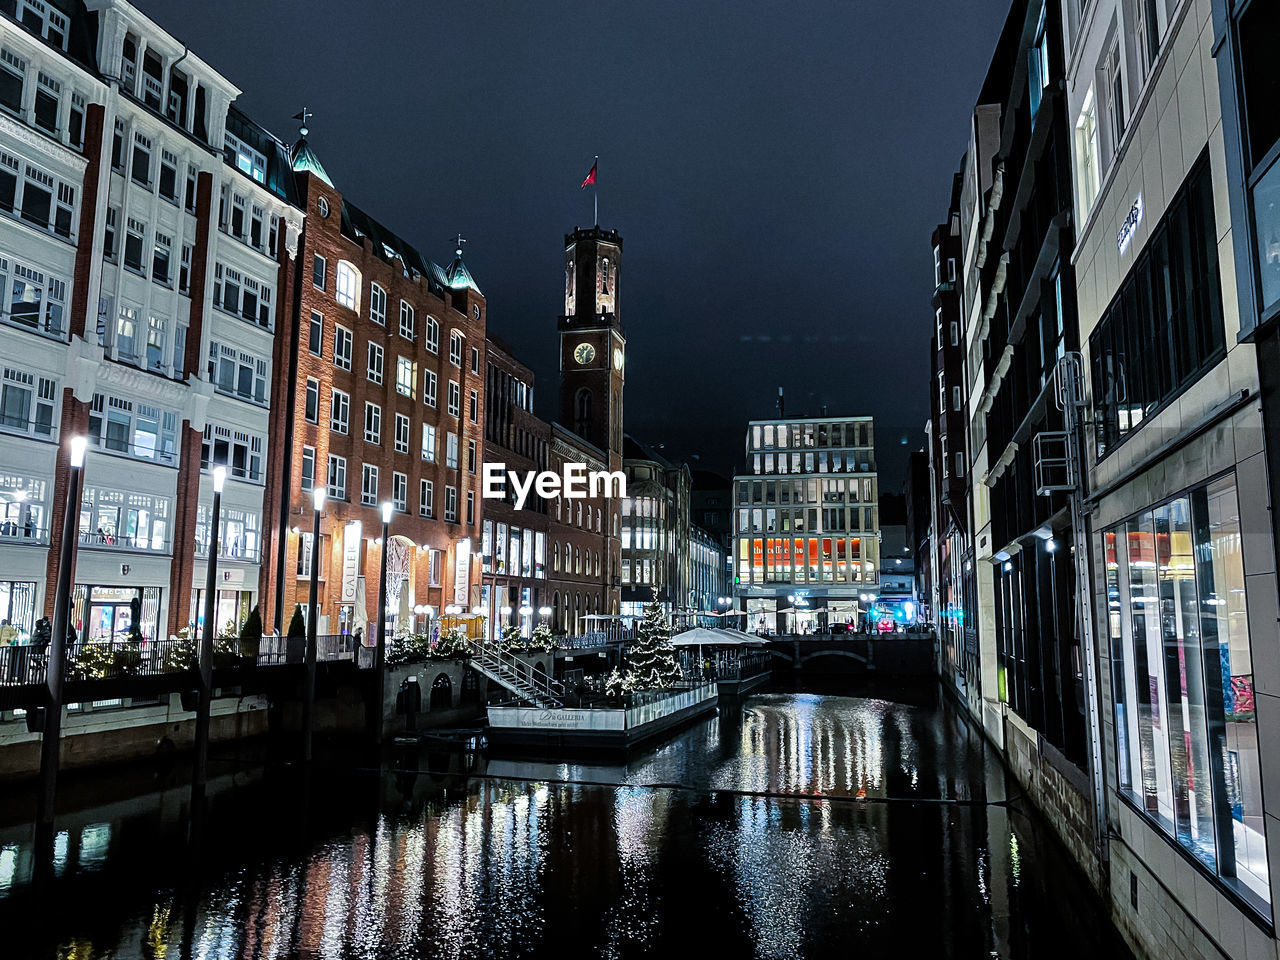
point(505, 670)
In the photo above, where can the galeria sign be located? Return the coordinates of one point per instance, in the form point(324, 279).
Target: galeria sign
point(576, 482)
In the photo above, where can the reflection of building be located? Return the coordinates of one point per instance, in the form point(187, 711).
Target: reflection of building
point(806, 530)
point(383, 379)
point(133, 191)
point(514, 542)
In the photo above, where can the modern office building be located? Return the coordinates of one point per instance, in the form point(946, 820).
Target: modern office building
point(1172, 289)
point(806, 530)
point(513, 551)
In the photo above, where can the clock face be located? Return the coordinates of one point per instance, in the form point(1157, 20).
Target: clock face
point(617, 358)
point(584, 353)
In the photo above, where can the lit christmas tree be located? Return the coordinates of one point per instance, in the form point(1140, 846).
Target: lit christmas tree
point(651, 661)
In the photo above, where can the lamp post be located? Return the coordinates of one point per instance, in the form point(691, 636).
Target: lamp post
point(200, 773)
point(380, 648)
point(318, 496)
point(51, 735)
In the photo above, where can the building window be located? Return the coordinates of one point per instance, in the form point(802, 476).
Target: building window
point(317, 271)
point(133, 244)
point(337, 477)
point(140, 171)
point(429, 388)
point(1185, 718)
point(433, 335)
point(1088, 161)
point(372, 423)
point(342, 348)
point(405, 376)
point(426, 498)
point(451, 504)
point(406, 320)
point(1257, 33)
point(474, 408)
point(377, 305)
point(369, 485)
point(375, 363)
point(455, 399)
point(1164, 328)
point(455, 348)
point(308, 472)
point(313, 400)
point(402, 433)
point(27, 402)
point(131, 427)
point(471, 510)
point(400, 491)
point(471, 456)
point(315, 334)
point(1111, 85)
point(451, 451)
point(32, 299)
point(346, 289)
point(339, 411)
point(475, 359)
point(428, 443)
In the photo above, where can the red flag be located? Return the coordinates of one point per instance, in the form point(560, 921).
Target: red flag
point(591, 177)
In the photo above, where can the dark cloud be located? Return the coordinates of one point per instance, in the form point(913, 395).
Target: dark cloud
point(775, 170)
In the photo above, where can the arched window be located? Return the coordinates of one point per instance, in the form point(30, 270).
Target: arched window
point(615, 524)
point(597, 519)
point(579, 514)
point(555, 610)
point(347, 289)
point(581, 411)
point(455, 348)
point(433, 335)
point(577, 560)
point(555, 556)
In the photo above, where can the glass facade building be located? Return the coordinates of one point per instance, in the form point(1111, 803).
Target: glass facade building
point(806, 525)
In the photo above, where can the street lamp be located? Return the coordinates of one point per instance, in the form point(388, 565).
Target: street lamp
point(318, 497)
point(544, 612)
point(51, 732)
point(219, 477)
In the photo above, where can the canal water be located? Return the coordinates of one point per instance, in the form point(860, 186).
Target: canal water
point(798, 824)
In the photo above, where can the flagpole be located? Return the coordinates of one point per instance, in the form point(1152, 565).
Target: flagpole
point(595, 190)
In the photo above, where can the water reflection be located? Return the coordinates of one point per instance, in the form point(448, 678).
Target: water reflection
point(743, 836)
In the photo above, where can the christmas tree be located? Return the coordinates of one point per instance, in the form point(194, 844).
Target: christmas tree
point(651, 660)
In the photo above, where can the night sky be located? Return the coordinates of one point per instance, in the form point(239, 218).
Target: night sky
point(774, 169)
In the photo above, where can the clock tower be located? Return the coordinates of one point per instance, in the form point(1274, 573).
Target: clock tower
point(593, 350)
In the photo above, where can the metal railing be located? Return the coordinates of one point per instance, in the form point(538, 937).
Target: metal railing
point(101, 539)
point(109, 659)
point(515, 675)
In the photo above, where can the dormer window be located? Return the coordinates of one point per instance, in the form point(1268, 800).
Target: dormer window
point(248, 160)
point(44, 21)
point(129, 63)
point(176, 108)
point(152, 80)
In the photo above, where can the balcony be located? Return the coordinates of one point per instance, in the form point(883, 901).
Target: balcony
point(12, 532)
point(102, 540)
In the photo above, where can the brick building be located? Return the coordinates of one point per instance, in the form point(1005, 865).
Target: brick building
point(381, 387)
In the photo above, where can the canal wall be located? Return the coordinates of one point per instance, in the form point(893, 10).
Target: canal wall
point(100, 734)
point(1060, 791)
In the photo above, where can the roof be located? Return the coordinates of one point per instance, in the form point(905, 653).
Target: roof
point(459, 277)
point(357, 225)
point(306, 161)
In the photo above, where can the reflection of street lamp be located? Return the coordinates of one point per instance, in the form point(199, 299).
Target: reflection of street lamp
point(51, 734)
point(219, 477)
point(380, 648)
point(318, 496)
point(544, 612)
